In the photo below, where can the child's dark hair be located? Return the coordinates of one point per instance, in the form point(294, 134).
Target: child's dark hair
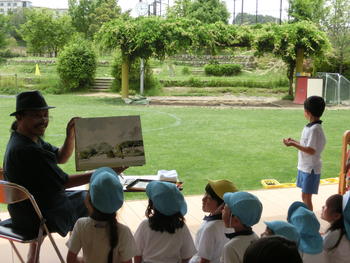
point(159, 222)
point(272, 249)
point(113, 230)
point(335, 204)
point(209, 190)
point(315, 105)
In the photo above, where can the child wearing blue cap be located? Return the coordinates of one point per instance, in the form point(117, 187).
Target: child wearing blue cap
point(210, 238)
point(336, 241)
point(164, 236)
point(308, 227)
point(100, 236)
point(242, 210)
point(310, 147)
point(283, 229)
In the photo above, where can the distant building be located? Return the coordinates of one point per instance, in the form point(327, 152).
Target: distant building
point(7, 6)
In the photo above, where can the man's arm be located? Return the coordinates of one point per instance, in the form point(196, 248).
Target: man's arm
point(291, 142)
point(66, 150)
point(78, 179)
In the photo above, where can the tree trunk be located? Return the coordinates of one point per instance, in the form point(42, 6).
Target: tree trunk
point(290, 75)
point(125, 77)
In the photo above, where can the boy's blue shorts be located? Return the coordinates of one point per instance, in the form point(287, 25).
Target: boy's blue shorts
point(308, 182)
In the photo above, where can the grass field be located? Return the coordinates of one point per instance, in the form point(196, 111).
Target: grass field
point(243, 145)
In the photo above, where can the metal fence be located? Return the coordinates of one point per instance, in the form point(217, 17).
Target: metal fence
point(336, 88)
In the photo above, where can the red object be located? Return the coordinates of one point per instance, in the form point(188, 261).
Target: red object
point(300, 90)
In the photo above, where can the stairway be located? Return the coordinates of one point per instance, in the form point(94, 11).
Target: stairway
point(102, 84)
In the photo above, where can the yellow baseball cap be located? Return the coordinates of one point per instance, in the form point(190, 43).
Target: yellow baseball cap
point(222, 186)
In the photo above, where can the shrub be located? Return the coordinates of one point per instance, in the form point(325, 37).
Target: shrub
point(185, 71)
point(151, 84)
point(222, 69)
point(77, 65)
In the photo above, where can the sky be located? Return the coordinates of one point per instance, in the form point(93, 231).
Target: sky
point(265, 7)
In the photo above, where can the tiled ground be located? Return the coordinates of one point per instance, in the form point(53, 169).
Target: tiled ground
point(275, 203)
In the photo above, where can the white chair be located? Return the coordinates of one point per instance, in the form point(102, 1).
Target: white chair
point(11, 193)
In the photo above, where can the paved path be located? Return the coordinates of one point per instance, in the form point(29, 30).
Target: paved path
point(275, 207)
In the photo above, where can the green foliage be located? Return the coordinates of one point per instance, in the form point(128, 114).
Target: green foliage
point(206, 11)
point(332, 64)
point(89, 15)
point(46, 33)
point(150, 82)
point(250, 19)
point(309, 10)
point(15, 20)
point(3, 25)
point(77, 65)
point(222, 69)
point(185, 71)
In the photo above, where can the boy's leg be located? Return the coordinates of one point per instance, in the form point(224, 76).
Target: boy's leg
point(307, 199)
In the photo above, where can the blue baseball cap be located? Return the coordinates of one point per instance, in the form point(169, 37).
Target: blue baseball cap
point(284, 229)
point(308, 228)
point(166, 198)
point(346, 213)
point(245, 206)
point(294, 206)
point(106, 191)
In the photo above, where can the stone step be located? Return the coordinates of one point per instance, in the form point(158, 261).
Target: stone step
point(101, 84)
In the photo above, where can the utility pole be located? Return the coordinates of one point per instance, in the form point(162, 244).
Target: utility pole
point(234, 12)
point(256, 13)
point(155, 7)
point(280, 11)
point(242, 13)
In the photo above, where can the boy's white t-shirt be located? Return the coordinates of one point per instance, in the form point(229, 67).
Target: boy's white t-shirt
point(340, 254)
point(210, 240)
point(95, 241)
point(311, 136)
point(163, 247)
point(234, 250)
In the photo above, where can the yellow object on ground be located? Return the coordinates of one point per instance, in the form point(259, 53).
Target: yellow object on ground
point(37, 70)
point(273, 183)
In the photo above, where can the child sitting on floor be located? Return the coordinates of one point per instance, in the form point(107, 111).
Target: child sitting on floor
point(100, 236)
point(336, 241)
point(283, 229)
point(164, 236)
point(210, 238)
point(242, 210)
point(308, 227)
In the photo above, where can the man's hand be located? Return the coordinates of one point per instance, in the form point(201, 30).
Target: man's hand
point(119, 170)
point(70, 130)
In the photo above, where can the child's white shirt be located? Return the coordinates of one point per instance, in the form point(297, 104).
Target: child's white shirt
point(210, 240)
point(163, 247)
point(234, 250)
point(341, 254)
point(93, 237)
point(311, 136)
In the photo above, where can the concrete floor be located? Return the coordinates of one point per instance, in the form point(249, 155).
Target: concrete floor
point(275, 207)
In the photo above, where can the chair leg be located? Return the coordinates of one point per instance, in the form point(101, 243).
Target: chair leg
point(56, 248)
point(16, 251)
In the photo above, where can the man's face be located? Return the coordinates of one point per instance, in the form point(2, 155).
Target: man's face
point(34, 122)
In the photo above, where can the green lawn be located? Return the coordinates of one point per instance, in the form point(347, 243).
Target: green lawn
point(243, 145)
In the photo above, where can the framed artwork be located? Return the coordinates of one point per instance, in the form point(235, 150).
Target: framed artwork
point(108, 141)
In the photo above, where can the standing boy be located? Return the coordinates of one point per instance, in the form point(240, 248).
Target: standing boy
point(310, 147)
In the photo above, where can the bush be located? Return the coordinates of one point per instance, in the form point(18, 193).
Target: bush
point(222, 69)
point(185, 71)
point(77, 65)
point(151, 84)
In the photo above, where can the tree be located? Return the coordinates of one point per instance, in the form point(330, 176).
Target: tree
point(77, 65)
point(310, 10)
point(249, 19)
point(45, 33)
point(15, 20)
point(206, 11)
point(286, 40)
point(3, 33)
point(89, 15)
point(338, 28)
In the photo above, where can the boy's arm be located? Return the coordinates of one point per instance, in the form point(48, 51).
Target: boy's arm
point(291, 142)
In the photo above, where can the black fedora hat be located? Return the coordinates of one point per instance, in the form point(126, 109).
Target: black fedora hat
point(30, 100)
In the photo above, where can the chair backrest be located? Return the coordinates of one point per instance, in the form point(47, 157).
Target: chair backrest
point(11, 193)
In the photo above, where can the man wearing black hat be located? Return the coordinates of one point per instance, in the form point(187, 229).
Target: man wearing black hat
point(33, 163)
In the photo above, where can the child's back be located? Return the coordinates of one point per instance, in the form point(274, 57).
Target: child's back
point(164, 237)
